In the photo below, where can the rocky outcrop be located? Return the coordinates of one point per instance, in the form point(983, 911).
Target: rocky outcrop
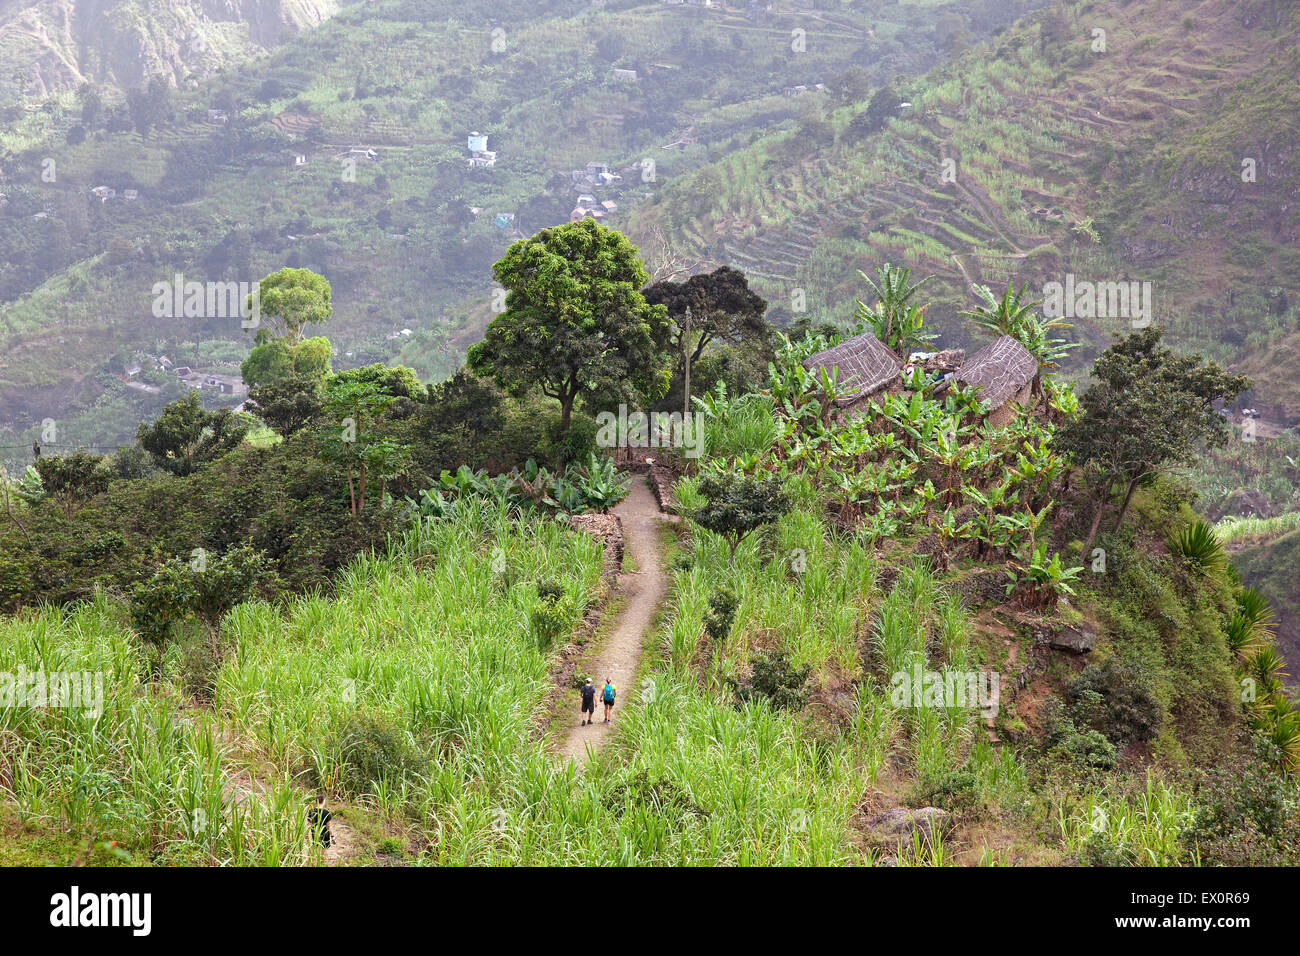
point(1076, 640)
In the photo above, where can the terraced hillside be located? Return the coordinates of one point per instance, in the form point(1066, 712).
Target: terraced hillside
point(1100, 139)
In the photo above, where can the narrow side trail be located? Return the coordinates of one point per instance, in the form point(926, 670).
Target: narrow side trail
point(643, 591)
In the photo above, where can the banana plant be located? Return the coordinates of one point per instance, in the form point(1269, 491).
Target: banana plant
point(1040, 583)
point(985, 524)
point(946, 530)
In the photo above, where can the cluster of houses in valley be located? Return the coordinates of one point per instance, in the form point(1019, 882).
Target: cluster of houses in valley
point(587, 183)
point(1003, 371)
point(216, 382)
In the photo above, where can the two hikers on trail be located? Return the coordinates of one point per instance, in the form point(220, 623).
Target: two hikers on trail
point(607, 695)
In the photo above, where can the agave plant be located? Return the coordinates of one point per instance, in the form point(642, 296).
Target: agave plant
point(1251, 624)
point(1265, 666)
point(1280, 723)
point(1200, 546)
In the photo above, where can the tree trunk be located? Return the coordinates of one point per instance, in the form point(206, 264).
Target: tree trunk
point(566, 409)
point(1096, 515)
point(1128, 497)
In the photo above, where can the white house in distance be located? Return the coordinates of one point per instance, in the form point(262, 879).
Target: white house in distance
point(479, 154)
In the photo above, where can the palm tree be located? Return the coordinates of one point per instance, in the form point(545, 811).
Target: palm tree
point(894, 319)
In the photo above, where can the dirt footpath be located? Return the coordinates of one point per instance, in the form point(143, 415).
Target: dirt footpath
point(642, 590)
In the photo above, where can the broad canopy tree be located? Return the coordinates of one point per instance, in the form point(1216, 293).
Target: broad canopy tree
point(1150, 408)
point(290, 300)
point(576, 322)
point(186, 436)
point(723, 308)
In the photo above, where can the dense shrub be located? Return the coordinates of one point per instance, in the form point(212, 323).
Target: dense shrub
point(1083, 748)
point(372, 748)
point(722, 612)
point(1115, 699)
point(1245, 815)
point(775, 680)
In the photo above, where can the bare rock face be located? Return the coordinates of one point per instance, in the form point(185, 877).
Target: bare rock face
point(1245, 501)
point(899, 823)
point(1076, 640)
point(60, 44)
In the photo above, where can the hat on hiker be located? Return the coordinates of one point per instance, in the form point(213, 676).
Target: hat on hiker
point(588, 680)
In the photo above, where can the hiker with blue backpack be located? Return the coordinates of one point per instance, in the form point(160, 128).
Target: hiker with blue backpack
point(607, 697)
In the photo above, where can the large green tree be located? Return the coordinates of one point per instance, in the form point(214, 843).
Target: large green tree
point(186, 436)
point(575, 320)
point(290, 300)
point(1150, 409)
point(722, 306)
point(277, 360)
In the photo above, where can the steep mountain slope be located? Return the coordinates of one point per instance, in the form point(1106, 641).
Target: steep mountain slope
point(1100, 139)
point(50, 46)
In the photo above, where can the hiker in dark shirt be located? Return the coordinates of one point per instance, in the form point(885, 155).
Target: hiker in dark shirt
point(318, 818)
point(588, 703)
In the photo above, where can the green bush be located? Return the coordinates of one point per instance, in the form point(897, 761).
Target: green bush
point(1244, 816)
point(774, 679)
point(1115, 699)
point(957, 791)
point(553, 616)
point(1084, 749)
point(372, 748)
point(722, 613)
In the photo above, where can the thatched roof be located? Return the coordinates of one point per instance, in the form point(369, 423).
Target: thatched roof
point(865, 366)
point(1001, 368)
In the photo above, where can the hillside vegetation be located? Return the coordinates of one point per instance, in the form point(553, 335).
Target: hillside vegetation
point(405, 236)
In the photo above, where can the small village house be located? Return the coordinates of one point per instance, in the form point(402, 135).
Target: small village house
point(866, 368)
point(1004, 372)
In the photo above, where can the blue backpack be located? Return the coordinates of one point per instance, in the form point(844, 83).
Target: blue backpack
point(609, 693)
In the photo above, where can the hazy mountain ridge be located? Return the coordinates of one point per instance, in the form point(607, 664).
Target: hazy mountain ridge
point(57, 45)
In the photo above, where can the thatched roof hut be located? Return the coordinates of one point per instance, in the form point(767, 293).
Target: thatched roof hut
point(1002, 369)
point(865, 366)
